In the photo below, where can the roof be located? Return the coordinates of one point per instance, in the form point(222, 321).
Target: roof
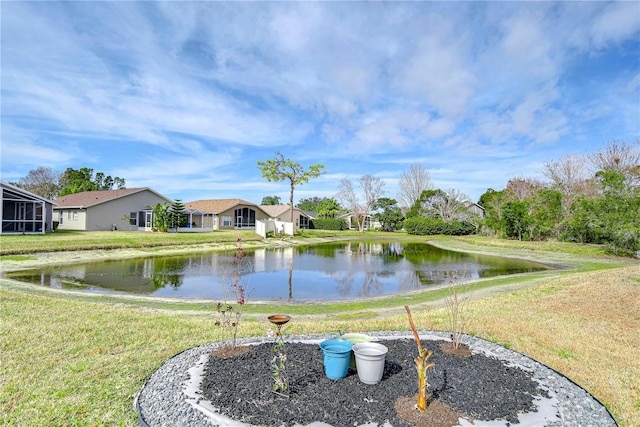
point(24, 192)
point(87, 199)
point(216, 206)
point(275, 211)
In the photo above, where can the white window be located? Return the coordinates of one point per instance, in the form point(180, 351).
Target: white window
point(75, 216)
point(133, 218)
point(226, 220)
point(60, 217)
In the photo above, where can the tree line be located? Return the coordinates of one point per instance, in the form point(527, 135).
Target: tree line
point(52, 184)
point(590, 198)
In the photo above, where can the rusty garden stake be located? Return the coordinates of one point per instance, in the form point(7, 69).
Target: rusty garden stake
point(422, 365)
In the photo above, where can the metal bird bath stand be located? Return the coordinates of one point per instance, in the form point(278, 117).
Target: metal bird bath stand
point(278, 369)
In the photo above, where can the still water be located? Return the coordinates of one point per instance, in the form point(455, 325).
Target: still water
point(326, 272)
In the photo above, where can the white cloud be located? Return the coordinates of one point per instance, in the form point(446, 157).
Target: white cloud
point(364, 88)
point(438, 74)
point(617, 22)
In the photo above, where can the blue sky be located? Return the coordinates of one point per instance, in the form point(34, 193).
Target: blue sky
point(186, 97)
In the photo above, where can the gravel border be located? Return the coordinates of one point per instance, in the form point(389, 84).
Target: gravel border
point(170, 396)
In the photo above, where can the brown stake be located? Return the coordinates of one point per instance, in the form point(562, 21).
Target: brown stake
point(421, 366)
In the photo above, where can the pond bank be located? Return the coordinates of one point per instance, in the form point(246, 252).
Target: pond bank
point(376, 306)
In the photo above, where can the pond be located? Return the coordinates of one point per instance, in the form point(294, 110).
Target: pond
point(324, 272)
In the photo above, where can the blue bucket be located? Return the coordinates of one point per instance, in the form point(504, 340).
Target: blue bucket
point(336, 356)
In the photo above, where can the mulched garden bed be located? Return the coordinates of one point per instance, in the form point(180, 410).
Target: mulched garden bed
point(476, 388)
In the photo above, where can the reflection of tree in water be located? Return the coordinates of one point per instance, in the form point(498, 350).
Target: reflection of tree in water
point(446, 274)
point(408, 280)
point(344, 280)
point(168, 271)
point(371, 285)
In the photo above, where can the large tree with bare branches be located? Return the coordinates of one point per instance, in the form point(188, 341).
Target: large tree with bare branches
point(412, 183)
point(569, 176)
point(42, 181)
point(361, 202)
point(619, 158)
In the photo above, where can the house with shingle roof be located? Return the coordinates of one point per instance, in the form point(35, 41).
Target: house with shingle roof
point(229, 214)
point(124, 209)
point(23, 212)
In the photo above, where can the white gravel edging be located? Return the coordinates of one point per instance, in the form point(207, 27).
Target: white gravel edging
point(170, 396)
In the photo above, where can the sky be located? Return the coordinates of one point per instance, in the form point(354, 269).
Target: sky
point(187, 97)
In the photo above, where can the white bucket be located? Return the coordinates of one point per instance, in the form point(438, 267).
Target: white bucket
point(370, 358)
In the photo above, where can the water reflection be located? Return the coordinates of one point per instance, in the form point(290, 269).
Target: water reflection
point(335, 271)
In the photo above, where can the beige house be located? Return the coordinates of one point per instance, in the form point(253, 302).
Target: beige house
point(228, 214)
point(351, 218)
point(126, 209)
point(23, 212)
point(283, 213)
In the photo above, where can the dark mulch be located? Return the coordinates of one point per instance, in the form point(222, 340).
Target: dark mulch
point(476, 387)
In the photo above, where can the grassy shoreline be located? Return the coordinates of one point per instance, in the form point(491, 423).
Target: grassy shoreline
point(73, 360)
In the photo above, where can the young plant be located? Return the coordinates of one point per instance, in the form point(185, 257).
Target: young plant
point(422, 365)
point(229, 314)
point(278, 361)
point(458, 309)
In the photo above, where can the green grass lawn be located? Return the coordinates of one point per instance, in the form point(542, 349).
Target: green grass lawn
point(75, 360)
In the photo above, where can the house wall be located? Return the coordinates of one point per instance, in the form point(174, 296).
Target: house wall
point(72, 219)
point(297, 217)
point(231, 213)
point(105, 215)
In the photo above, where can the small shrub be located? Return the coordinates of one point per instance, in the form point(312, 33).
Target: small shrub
point(228, 314)
point(457, 302)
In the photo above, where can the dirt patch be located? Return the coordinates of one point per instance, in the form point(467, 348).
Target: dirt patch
point(460, 351)
point(437, 414)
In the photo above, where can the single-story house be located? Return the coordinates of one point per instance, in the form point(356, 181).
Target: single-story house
point(23, 212)
point(351, 218)
point(283, 213)
point(228, 214)
point(125, 209)
point(476, 209)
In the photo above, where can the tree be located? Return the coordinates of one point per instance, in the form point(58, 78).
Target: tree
point(617, 215)
point(492, 201)
point(281, 169)
point(516, 218)
point(449, 206)
point(42, 181)
point(161, 216)
point(361, 205)
point(177, 217)
point(270, 200)
point(619, 158)
point(522, 189)
point(389, 214)
point(546, 213)
point(412, 183)
point(310, 204)
point(327, 208)
point(76, 181)
point(417, 207)
point(568, 176)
